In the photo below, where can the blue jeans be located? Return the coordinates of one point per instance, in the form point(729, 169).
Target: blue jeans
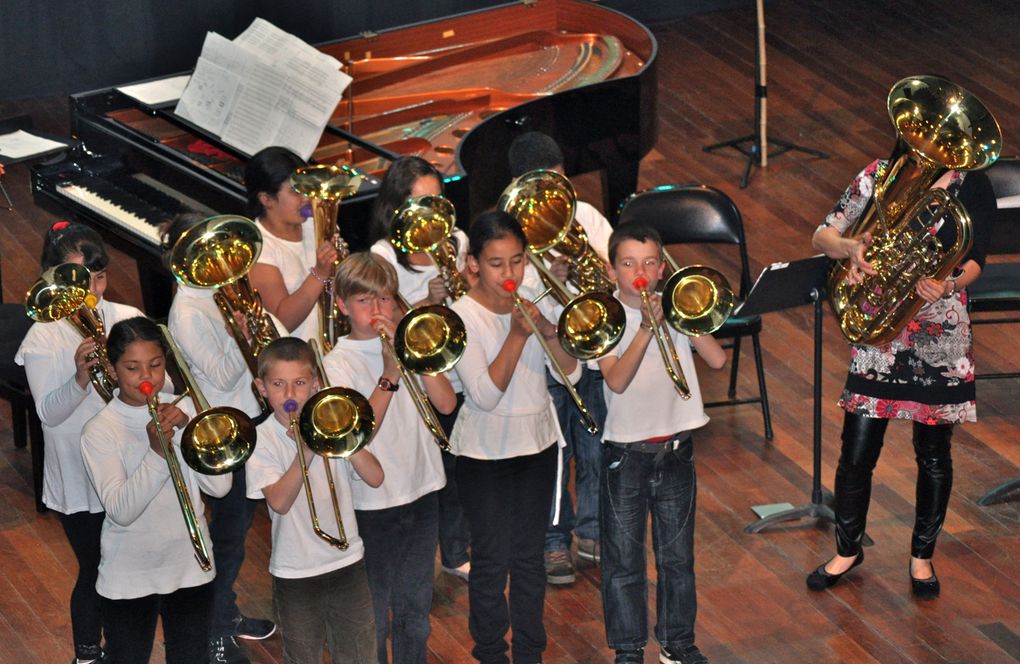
point(583, 447)
point(635, 483)
point(229, 520)
point(400, 553)
point(506, 502)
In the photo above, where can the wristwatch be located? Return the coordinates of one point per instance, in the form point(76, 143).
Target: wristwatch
point(387, 386)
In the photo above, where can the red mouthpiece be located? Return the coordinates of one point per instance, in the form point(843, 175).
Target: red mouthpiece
point(509, 285)
point(640, 283)
point(145, 388)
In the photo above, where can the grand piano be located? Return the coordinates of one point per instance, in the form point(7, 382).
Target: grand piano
point(455, 91)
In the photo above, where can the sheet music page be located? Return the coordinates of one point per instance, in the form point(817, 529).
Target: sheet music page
point(20, 144)
point(266, 87)
point(157, 92)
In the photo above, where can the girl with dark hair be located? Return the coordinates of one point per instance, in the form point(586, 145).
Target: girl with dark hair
point(57, 362)
point(292, 269)
point(148, 568)
point(420, 283)
point(505, 438)
point(222, 374)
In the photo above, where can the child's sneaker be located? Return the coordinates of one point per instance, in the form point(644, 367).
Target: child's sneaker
point(689, 655)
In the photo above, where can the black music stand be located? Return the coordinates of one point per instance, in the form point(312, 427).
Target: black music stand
point(784, 286)
point(758, 150)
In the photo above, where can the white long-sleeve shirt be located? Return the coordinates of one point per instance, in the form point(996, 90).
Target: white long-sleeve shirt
point(297, 551)
point(650, 406)
point(403, 445)
point(293, 259)
point(47, 353)
point(496, 424)
point(145, 545)
point(211, 352)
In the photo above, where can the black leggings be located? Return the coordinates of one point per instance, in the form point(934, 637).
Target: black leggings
point(83, 530)
point(862, 443)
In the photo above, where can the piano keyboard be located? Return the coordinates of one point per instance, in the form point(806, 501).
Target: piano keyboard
point(135, 202)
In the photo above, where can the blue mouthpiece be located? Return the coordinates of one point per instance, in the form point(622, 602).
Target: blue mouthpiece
point(306, 210)
point(290, 406)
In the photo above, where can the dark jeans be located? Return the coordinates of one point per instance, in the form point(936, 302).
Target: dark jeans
point(583, 447)
point(131, 626)
point(633, 484)
point(453, 527)
point(507, 505)
point(83, 530)
point(400, 555)
point(862, 444)
point(230, 517)
point(333, 608)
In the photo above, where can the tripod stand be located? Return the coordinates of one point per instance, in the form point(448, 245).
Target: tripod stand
point(757, 148)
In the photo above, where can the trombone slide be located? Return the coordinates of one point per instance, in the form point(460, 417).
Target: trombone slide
point(666, 347)
point(589, 422)
point(180, 488)
point(339, 542)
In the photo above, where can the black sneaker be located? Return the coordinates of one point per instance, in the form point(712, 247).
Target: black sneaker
point(225, 650)
point(254, 629)
point(689, 655)
point(629, 656)
point(558, 568)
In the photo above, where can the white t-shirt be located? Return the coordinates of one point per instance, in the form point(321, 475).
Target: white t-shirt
point(414, 285)
point(47, 353)
point(407, 452)
point(297, 551)
point(293, 259)
point(145, 544)
point(650, 406)
point(494, 424)
point(210, 350)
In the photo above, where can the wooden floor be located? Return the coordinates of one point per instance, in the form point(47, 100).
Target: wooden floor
point(830, 66)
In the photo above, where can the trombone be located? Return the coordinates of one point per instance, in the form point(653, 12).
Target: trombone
point(325, 186)
point(425, 224)
point(589, 422)
point(62, 292)
point(428, 340)
point(696, 300)
point(335, 423)
point(216, 441)
point(218, 253)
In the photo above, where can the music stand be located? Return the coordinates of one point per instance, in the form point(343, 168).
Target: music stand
point(784, 286)
point(757, 151)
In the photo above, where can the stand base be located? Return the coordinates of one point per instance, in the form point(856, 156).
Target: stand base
point(10, 204)
point(999, 492)
point(812, 510)
point(753, 151)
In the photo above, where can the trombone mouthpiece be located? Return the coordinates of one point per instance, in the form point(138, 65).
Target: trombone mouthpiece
point(509, 285)
point(640, 283)
point(306, 210)
point(145, 388)
point(290, 406)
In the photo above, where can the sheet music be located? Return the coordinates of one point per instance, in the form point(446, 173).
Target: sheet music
point(161, 91)
point(21, 144)
point(266, 87)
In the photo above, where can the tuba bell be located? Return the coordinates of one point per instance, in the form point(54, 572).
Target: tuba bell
point(939, 127)
point(325, 186)
point(217, 254)
point(425, 224)
point(62, 293)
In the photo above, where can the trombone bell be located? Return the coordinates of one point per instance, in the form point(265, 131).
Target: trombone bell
point(336, 422)
point(430, 339)
point(697, 300)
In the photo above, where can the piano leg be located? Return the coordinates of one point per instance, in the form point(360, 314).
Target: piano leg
point(157, 290)
point(618, 182)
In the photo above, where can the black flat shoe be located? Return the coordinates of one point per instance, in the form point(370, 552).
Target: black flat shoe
point(822, 580)
point(925, 588)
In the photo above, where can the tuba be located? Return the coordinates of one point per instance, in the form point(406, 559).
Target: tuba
point(218, 253)
point(543, 202)
point(334, 423)
point(216, 441)
point(326, 186)
point(62, 292)
point(939, 127)
point(426, 223)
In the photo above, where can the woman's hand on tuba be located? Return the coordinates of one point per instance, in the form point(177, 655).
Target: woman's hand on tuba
point(859, 265)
